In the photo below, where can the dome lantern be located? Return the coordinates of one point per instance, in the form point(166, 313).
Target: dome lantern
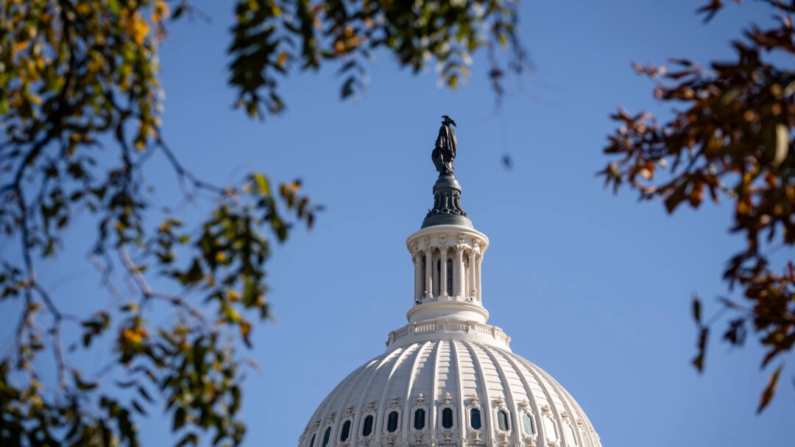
point(447, 378)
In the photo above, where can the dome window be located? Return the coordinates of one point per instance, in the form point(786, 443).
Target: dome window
point(312, 442)
point(367, 427)
point(474, 419)
point(529, 427)
point(326, 436)
point(346, 431)
point(502, 420)
point(419, 419)
point(447, 418)
point(392, 422)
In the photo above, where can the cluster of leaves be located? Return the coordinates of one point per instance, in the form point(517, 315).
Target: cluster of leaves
point(272, 37)
point(72, 74)
point(730, 137)
point(80, 104)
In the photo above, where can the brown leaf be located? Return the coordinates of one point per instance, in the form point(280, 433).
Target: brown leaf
point(769, 356)
point(768, 393)
point(696, 309)
point(698, 362)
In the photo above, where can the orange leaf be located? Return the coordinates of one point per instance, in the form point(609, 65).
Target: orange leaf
point(281, 59)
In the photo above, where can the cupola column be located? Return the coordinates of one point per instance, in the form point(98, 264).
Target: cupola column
point(428, 272)
point(458, 270)
point(443, 279)
point(477, 275)
point(418, 279)
point(471, 277)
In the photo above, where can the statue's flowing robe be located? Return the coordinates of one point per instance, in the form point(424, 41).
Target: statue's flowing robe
point(445, 150)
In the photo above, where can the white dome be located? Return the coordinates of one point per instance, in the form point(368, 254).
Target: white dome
point(460, 375)
point(447, 378)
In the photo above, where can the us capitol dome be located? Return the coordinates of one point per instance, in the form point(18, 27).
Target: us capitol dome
point(448, 378)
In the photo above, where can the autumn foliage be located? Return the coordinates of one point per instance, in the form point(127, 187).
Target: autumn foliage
point(730, 138)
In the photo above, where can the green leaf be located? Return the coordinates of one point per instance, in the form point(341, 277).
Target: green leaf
point(139, 408)
point(452, 81)
point(145, 394)
point(114, 6)
point(190, 438)
point(262, 183)
point(81, 385)
point(179, 418)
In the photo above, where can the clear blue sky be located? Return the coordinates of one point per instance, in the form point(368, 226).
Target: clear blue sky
point(593, 288)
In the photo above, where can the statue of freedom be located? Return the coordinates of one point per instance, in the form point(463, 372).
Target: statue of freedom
point(444, 152)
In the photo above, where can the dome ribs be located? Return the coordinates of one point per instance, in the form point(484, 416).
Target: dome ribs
point(410, 396)
point(360, 406)
point(555, 401)
point(575, 412)
point(462, 425)
point(443, 370)
point(530, 368)
point(434, 388)
point(325, 407)
point(462, 368)
point(560, 404)
point(539, 426)
point(380, 423)
point(484, 386)
point(356, 392)
point(509, 396)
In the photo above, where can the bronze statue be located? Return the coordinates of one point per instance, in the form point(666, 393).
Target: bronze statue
point(444, 152)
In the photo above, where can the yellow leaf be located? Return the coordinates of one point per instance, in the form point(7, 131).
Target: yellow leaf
point(281, 59)
point(137, 28)
point(160, 11)
point(245, 330)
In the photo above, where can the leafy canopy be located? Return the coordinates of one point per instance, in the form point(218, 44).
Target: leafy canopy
point(730, 138)
point(77, 76)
